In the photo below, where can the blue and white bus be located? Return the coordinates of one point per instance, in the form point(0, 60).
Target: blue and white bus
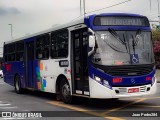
point(98, 56)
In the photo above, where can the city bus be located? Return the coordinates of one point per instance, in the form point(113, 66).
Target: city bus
point(102, 56)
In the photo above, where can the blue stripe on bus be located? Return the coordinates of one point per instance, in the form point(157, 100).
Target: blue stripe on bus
point(89, 22)
point(126, 81)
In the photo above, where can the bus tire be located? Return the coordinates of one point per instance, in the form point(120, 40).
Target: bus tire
point(17, 85)
point(65, 92)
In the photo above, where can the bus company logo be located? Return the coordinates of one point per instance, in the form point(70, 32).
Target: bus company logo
point(6, 115)
point(133, 81)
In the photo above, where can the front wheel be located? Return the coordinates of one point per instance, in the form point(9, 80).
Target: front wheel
point(17, 85)
point(65, 92)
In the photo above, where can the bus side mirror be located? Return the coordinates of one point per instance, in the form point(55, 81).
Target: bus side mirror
point(91, 41)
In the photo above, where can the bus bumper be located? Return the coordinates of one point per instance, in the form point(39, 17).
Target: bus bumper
point(99, 91)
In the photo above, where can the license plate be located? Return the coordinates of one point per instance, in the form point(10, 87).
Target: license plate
point(133, 90)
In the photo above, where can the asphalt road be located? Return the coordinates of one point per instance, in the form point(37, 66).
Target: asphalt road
point(82, 108)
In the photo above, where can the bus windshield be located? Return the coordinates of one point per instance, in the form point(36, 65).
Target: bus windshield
point(123, 47)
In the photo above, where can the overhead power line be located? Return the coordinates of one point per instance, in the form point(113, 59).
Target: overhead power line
point(103, 8)
point(110, 6)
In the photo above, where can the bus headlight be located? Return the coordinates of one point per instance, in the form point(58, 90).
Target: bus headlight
point(97, 79)
point(106, 82)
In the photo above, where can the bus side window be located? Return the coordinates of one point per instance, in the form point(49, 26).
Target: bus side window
point(42, 47)
point(9, 52)
point(19, 51)
point(59, 44)
point(5, 53)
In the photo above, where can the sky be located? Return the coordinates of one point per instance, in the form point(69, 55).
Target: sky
point(31, 16)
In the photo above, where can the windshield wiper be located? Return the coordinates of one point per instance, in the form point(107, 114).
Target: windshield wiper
point(133, 44)
point(137, 33)
point(114, 33)
point(125, 44)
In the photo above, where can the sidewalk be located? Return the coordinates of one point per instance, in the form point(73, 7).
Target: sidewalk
point(158, 75)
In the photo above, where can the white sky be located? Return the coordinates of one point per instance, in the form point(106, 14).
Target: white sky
point(31, 16)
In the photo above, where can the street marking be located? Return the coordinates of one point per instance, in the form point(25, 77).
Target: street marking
point(60, 104)
point(153, 97)
point(4, 104)
point(8, 107)
point(118, 108)
point(150, 106)
point(143, 97)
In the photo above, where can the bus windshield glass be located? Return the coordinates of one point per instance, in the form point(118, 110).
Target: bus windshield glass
point(123, 48)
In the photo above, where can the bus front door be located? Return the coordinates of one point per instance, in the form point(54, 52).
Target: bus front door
point(79, 65)
point(29, 64)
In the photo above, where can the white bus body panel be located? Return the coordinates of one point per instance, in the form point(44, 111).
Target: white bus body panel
point(51, 70)
point(99, 91)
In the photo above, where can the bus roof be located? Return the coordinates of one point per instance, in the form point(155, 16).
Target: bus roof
point(72, 23)
point(79, 21)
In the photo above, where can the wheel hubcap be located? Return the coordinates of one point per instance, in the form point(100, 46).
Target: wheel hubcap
point(17, 85)
point(66, 91)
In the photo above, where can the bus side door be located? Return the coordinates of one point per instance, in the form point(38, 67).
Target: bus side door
point(80, 59)
point(30, 64)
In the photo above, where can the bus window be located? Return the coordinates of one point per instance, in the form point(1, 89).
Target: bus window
point(11, 48)
point(19, 51)
point(59, 44)
point(42, 47)
point(11, 57)
point(19, 56)
point(9, 52)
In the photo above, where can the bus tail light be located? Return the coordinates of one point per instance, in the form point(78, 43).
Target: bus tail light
point(117, 80)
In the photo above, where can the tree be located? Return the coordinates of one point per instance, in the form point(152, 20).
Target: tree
point(156, 35)
point(156, 45)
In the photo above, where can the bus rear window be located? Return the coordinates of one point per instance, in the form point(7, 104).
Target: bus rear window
point(120, 21)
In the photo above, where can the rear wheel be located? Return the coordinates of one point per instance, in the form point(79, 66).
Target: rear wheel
point(65, 92)
point(17, 85)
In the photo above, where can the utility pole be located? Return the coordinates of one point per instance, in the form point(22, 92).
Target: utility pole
point(158, 13)
point(84, 8)
point(80, 7)
point(150, 5)
point(11, 31)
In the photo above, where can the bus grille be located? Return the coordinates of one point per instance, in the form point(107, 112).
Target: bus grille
point(143, 89)
point(123, 90)
point(124, 71)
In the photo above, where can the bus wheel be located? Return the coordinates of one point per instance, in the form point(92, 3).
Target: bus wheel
point(17, 85)
point(65, 92)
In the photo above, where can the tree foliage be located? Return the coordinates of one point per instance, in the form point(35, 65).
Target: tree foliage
point(156, 45)
point(156, 40)
point(156, 35)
